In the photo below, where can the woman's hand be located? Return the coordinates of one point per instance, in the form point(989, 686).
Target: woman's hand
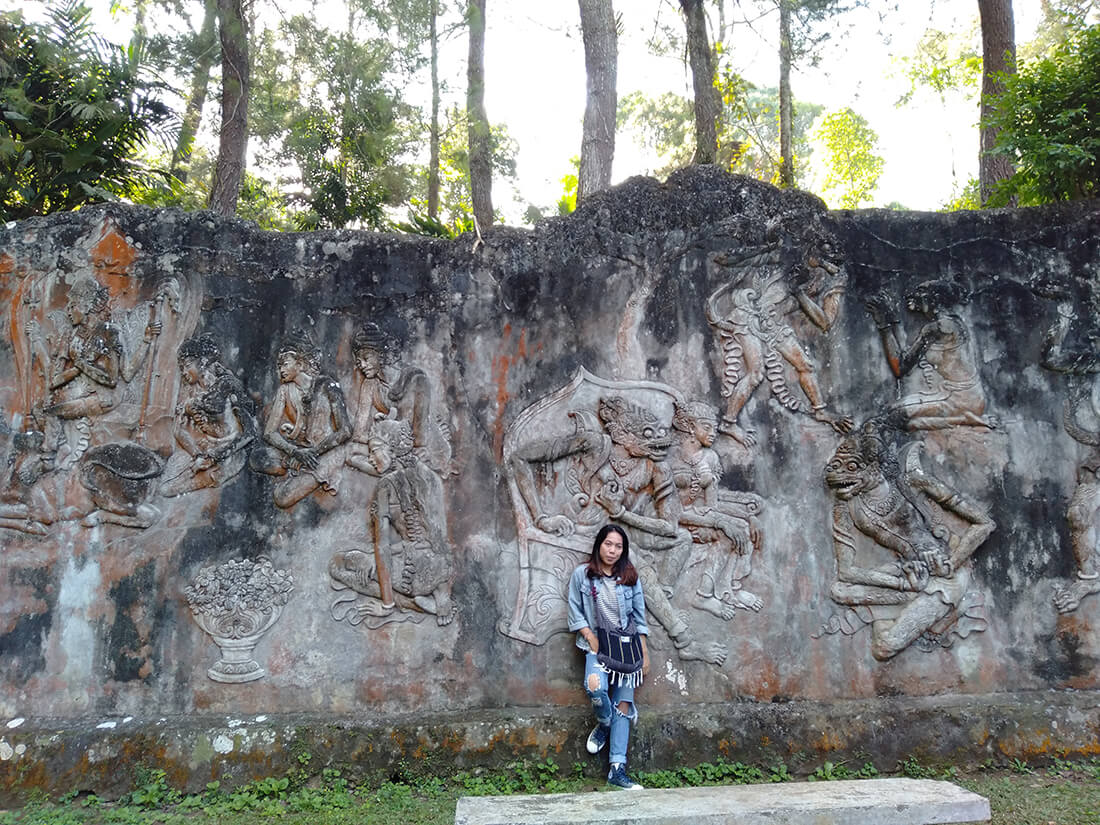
point(645, 657)
point(590, 637)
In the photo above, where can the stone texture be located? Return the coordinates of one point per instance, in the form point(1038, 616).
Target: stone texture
point(203, 514)
point(866, 802)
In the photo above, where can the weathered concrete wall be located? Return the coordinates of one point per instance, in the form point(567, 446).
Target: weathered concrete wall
point(856, 453)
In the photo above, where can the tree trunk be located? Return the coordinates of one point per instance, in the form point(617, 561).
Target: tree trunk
point(481, 160)
point(707, 104)
point(433, 151)
point(233, 140)
point(786, 108)
point(206, 47)
point(998, 56)
point(601, 56)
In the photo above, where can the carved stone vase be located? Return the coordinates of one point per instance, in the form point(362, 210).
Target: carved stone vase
point(236, 636)
point(236, 603)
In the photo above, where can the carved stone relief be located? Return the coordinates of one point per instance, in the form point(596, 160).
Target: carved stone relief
point(950, 392)
point(599, 450)
point(1081, 420)
point(89, 401)
point(215, 423)
point(756, 342)
point(902, 539)
point(236, 603)
point(401, 442)
point(306, 427)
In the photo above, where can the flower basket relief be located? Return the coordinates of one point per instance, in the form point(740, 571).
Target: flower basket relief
point(236, 603)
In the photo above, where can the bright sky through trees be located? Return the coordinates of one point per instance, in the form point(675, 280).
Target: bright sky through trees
point(535, 85)
point(535, 72)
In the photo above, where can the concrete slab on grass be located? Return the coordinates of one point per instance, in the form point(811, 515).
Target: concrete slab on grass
point(859, 802)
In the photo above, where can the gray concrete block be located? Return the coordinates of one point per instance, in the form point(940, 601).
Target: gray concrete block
point(860, 802)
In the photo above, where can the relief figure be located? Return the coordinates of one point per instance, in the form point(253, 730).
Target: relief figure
point(951, 393)
point(214, 422)
point(747, 314)
point(25, 504)
point(723, 526)
point(1083, 404)
point(305, 428)
point(380, 390)
point(410, 571)
point(88, 361)
point(618, 468)
point(918, 586)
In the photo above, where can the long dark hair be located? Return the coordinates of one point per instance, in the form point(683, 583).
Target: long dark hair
point(622, 570)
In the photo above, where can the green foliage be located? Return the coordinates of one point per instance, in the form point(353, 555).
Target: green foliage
point(750, 132)
point(912, 767)
point(945, 63)
point(455, 206)
point(570, 184)
point(1048, 122)
point(664, 124)
point(851, 165)
point(748, 139)
point(75, 111)
point(830, 771)
point(329, 114)
point(710, 773)
point(152, 789)
point(968, 197)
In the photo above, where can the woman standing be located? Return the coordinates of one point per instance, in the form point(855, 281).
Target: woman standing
point(606, 592)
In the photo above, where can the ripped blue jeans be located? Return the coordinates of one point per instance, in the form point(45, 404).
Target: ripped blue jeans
point(605, 704)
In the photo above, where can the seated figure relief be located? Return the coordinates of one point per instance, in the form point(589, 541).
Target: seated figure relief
point(902, 541)
point(306, 426)
point(613, 462)
point(757, 343)
point(381, 390)
point(1081, 420)
point(215, 424)
point(724, 530)
point(89, 360)
point(25, 504)
point(951, 392)
point(410, 571)
point(85, 458)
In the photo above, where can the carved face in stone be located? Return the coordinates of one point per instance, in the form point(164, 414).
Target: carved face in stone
point(850, 472)
point(697, 419)
point(290, 365)
point(191, 370)
point(635, 429)
point(389, 440)
point(369, 362)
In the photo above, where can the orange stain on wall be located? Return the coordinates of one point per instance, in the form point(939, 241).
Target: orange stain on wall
point(113, 256)
point(501, 365)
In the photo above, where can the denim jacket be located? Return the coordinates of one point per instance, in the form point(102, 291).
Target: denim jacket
point(582, 607)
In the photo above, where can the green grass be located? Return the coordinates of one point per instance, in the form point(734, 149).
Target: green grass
point(1065, 793)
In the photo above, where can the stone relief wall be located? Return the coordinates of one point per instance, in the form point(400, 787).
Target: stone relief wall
point(856, 454)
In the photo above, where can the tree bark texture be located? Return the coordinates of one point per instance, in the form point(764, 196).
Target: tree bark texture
point(206, 47)
point(998, 56)
point(601, 57)
point(786, 107)
point(481, 160)
point(701, 60)
point(433, 146)
point(233, 139)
